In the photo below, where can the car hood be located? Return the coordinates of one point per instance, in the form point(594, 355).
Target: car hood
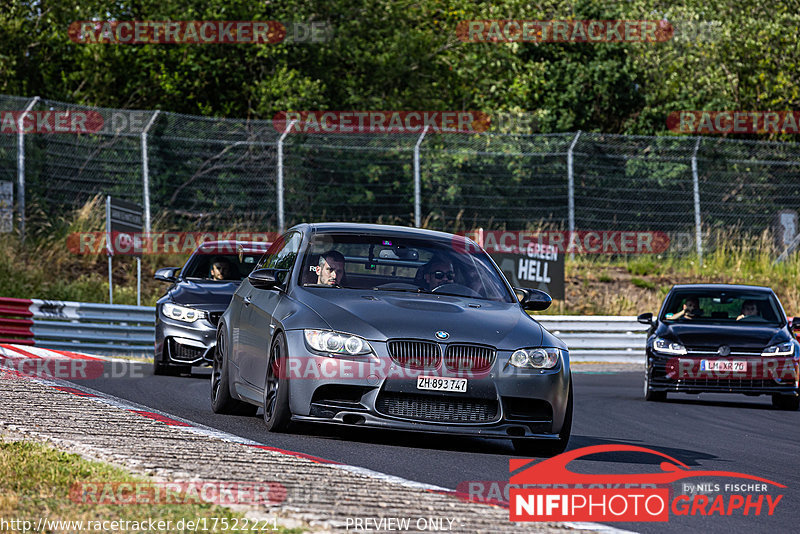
point(378, 315)
point(712, 336)
point(212, 296)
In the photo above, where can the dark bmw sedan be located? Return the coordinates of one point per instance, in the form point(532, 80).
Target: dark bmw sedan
point(722, 338)
point(391, 327)
point(187, 314)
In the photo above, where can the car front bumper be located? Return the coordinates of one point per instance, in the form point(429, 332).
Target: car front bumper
point(180, 343)
point(764, 375)
point(504, 402)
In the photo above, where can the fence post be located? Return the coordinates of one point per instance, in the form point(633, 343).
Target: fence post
point(571, 191)
point(109, 250)
point(417, 181)
point(279, 187)
point(21, 167)
point(696, 181)
point(146, 173)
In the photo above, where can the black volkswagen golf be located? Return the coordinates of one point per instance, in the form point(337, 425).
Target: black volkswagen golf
point(722, 338)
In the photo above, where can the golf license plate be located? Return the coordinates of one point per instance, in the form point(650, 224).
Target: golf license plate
point(733, 366)
point(438, 383)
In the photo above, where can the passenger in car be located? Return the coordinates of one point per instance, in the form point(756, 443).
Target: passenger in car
point(749, 309)
point(330, 270)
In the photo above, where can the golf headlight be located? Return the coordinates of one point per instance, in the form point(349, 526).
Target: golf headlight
point(182, 313)
point(668, 347)
point(541, 358)
point(783, 349)
point(336, 343)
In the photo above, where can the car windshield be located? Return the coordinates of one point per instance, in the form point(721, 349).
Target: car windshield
point(388, 263)
point(220, 267)
point(726, 306)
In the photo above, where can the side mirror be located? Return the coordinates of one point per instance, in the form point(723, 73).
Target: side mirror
point(533, 299)
point(646, 318)
point(264, 278)
point(794, 323)
point(167, 274)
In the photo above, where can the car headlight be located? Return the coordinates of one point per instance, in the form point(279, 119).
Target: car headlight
point(540, 358)
point(182, 313)
point(336, 343)
point(782, 349)
point(669, 347)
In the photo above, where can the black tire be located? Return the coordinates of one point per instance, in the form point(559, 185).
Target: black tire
point(532, 447)
point(649, 394)
point(277, 414)
point(785, 402)
point(221, 399)
point(164, 369)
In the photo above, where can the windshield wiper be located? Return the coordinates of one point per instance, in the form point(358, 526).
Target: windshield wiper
point(404, 289)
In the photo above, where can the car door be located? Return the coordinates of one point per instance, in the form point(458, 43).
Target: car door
point(257, 323)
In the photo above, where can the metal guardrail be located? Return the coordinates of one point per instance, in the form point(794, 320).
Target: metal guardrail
point(601, 338)
point(115, 329)
point(78, 326)
point(94, 328)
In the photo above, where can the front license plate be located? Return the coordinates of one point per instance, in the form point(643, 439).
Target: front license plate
point(734, 366)
point(437, 383)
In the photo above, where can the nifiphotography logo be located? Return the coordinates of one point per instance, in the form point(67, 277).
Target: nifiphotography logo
point(570, 496)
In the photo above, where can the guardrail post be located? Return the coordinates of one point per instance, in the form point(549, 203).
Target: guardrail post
point(571, 191)
point(279, 186)
point(418, 181)
point(696, 181)
point(21, 167)
point(146, 173)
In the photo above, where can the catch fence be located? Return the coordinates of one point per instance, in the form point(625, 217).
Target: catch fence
point(202, 173)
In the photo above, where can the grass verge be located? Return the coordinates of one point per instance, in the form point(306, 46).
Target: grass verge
point(36, 480)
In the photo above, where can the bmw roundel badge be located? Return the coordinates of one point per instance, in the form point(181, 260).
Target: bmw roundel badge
point(441, 334)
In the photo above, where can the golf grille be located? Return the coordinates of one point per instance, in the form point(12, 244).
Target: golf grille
point(469, 358)
point(731, 384)
point(415, 354)
point(437, 409)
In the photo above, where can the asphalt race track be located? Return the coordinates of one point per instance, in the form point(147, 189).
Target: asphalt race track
point(709, 432)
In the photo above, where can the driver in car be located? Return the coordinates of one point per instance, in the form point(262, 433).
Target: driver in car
point(438, 271)
point(330, 271)
point(221, 269)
